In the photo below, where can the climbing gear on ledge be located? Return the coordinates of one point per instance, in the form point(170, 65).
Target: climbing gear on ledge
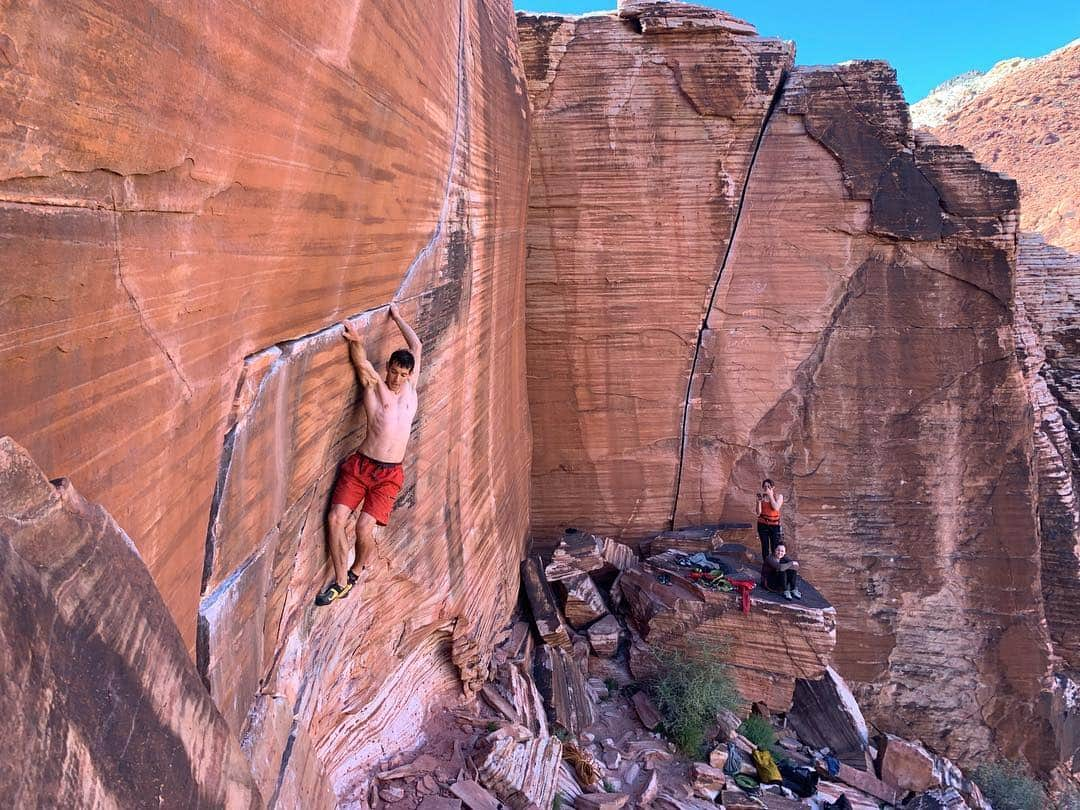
point(767, 771)
point(713, 580)
point(663, 579)
point(747, 783)
point(699, 560)
point(332, 593)
point(744, 586)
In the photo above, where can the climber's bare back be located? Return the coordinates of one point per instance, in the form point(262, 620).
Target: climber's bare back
point(389, 419)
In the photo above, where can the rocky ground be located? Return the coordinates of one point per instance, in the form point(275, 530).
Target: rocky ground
point(565, 721)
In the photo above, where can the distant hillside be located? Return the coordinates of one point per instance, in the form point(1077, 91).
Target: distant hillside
point(1022, 117)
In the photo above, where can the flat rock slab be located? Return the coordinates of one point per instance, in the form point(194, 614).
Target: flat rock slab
point(546, 616)
point(824, 714)
point(475, 796)
point(521, 769)
point(565, 689)
point(646, 711)
point(577, 553)
point(687, 617)
point(865, 782)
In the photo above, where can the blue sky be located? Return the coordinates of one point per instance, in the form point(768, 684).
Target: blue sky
point(927, 42)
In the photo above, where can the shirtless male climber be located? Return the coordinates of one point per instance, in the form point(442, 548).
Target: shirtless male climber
point(373, 473)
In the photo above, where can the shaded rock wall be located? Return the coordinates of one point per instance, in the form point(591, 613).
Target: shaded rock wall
point(854, 340)
point(105, 708)
point(1047, 318)
point(191, 197)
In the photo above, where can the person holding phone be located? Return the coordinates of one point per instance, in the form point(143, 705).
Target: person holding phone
point(769, 503)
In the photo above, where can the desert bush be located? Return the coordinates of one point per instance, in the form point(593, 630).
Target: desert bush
point(759, 731)
point(689, 689)
point(1007, 787)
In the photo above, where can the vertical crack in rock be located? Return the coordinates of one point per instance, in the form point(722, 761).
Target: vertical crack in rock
point(716, 285)
point(137, 307)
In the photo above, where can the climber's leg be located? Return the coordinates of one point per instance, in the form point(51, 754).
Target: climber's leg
point(349, 491)
point(365, 541)
point(339, 541)
point(384, 485)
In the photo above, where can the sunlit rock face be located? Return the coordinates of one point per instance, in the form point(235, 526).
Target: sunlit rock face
point(853, 340)
point(192, 197)
point(860, 349)
point(1021, 118)
point(644, 125)
point(104, 707)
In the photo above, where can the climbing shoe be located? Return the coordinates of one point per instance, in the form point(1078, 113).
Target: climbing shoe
point(353, 576)
point(796, 594)
point(787, 594)
point(333, 592)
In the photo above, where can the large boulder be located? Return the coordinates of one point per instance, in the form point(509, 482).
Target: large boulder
point(766, 649)
point(906, 765)
point(825, 715)
point(104, 706)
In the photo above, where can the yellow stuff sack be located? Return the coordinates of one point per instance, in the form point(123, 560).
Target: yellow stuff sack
point(767, 771)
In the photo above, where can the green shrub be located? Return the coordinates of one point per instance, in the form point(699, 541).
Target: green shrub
point(1007, 787)
point(759, 731)
point(689, 689)
point(556, 803)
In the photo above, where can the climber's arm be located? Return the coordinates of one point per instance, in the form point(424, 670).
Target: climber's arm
point(369, 378)
point(411, 340)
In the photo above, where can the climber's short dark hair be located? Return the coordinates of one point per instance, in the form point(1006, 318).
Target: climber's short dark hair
point(402, 358)
point(767, 483)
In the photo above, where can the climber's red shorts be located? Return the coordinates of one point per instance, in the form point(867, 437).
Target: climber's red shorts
point(376, 483)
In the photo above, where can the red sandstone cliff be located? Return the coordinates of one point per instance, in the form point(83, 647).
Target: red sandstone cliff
point(1027, 124)
point(643, 136)
point(853, 338)
point(734, 267)
point(191, 197)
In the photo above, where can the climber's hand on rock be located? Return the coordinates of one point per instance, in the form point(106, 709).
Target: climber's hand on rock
point(394, 312)
point(351, 334)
